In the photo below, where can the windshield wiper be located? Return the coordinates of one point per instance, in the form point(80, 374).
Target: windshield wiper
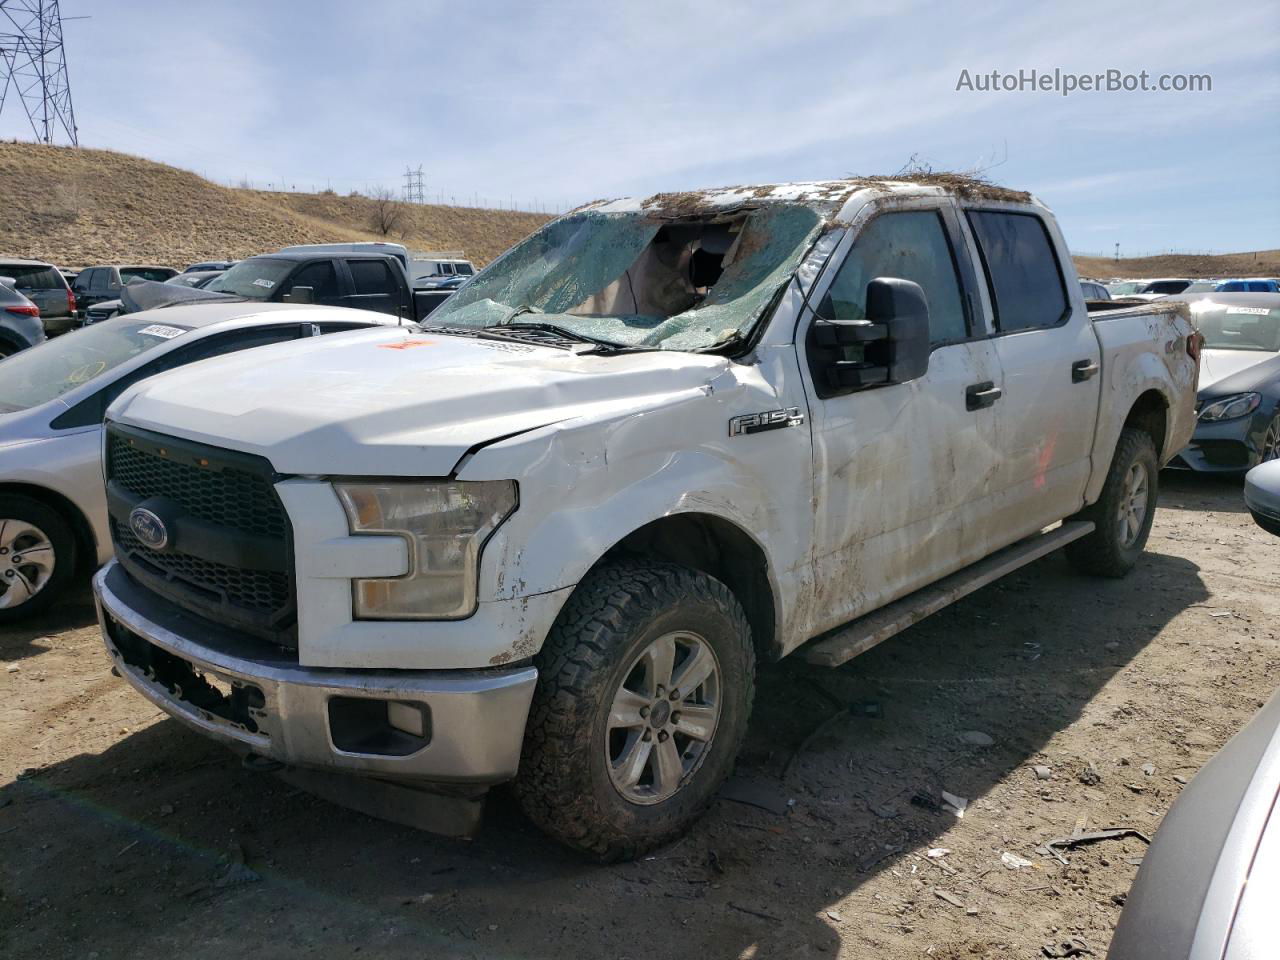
point(512, 330)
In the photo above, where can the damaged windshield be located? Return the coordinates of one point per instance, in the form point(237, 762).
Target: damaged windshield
point(634, 280)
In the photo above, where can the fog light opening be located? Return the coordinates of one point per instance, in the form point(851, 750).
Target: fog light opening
point(388, 728)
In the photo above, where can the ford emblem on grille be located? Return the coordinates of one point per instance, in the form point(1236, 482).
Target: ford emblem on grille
point(148, 528)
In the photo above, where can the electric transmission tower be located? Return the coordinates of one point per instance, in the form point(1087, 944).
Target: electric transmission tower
point(413, 192)
point(33, 67)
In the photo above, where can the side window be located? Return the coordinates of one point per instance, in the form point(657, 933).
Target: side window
point(1022, 270)
point(321, 277)
point(465, 269)
point(446, 269)
point(911, 245)
point(82, 281)
point(372, 276)
point(92, 409)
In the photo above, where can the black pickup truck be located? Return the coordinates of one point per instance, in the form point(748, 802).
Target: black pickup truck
point(362, 281)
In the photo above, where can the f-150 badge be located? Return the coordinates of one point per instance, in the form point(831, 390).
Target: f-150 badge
point(760, 422)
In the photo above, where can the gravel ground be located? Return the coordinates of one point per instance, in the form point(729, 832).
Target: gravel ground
point(124, 835)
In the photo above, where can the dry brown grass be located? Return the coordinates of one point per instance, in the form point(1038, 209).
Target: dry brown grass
point(76, 207)
point(1262, 263)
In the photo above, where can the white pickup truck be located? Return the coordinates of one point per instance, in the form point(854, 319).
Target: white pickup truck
point(549, 538)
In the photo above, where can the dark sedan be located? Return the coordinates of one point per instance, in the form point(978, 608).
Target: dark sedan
point(1239, 400)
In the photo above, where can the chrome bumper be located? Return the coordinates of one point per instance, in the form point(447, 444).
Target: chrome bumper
point(282, 710)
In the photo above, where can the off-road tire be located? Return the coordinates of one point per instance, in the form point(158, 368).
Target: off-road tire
point(617, 610)
point(60, 534)
point(1103, 553)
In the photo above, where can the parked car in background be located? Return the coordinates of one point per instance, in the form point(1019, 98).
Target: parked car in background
point(20, 324)
point(1093, 290)
point(431, 293)
point(381, 247)
point(364, 281)
point(205, 266)
point(1153, 289)
point(68, 274)
point(107, 309)
point(43, 285)
point(1262, 495)
point(1238, 405)
point(95, 284)
point(546, 537)
point(1250, 285)
point(1125, 288)
point(1202, 286)
point(1209, 885)
point(432, 266)
point(53, 510)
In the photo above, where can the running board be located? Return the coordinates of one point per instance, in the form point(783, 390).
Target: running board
point(862, 634)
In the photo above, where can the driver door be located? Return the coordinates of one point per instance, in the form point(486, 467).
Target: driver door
point(904, 471)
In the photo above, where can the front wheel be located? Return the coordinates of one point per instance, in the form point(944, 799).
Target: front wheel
point(1123, 513)
point(37, 557)
point(644, 690)
point(1270, 441)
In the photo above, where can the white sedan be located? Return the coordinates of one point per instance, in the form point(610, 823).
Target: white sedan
point(53, 397)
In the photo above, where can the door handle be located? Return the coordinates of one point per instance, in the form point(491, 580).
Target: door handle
point(1083, 370)
point(981, 395)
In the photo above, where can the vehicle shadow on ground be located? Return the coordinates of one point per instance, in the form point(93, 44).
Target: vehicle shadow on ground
point(140, 851)
point(32, 637)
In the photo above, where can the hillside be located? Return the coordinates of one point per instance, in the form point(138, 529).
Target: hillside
point(76, 207)
point(1263, 263)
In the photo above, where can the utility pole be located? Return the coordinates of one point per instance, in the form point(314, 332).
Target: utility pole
point(413, 192)
point(33, 67)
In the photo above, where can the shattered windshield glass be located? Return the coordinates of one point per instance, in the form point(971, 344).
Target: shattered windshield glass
point(635, 280)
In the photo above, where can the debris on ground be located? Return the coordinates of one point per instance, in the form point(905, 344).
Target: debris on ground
point(1013, 861)
point(1050, 848)
point(1149, 769)
point(955, 804)
point(951, 898)
point(1075, 947)
point(1042, 772)
point(1090, 776)
point(937, 853)
point(237, 872)
point(976, 738)
point(756, 793)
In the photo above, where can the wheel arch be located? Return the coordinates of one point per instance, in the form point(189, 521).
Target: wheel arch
point(719, 548)
point(86, 542)
point(1150, 413)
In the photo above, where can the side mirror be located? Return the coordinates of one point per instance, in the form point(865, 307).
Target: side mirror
point(1262, 495)
point(890, 346)
point(300, 295)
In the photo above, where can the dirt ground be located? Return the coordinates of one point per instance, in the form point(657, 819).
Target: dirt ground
point(124, 835)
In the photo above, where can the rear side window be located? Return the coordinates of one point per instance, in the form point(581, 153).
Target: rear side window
point(910, 246)
point(145, 273)
point(372, 276)
point(32, 278)
point(1022, 270)
point(464, 269)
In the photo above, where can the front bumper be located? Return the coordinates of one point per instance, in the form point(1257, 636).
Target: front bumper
point(255, 699)
point(1227, 446)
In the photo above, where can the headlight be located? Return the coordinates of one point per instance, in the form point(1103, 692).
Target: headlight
point(446, 525)
point(1228, 408)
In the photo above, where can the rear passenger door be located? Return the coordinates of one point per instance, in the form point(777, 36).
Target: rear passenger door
point(375, 287)
point(903, 471)
point(1050, 358)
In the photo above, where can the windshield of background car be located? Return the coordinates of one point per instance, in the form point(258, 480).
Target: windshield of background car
point(158, 274)
point(637, 280)
point(1166, 286)
point(1234, 327)
point(256, 279)
point(49, 370)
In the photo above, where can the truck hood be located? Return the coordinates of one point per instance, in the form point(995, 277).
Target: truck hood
point(393, 402)
point(1216, 365)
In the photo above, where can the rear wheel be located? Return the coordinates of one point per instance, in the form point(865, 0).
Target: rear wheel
point(644, 690)
point(1123, 513)
point(37, 557)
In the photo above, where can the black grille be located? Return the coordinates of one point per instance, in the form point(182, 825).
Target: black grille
point(232, 498)
point(227, 497)
point(262, 590)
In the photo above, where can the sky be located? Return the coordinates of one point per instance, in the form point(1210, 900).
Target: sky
point(555, 103)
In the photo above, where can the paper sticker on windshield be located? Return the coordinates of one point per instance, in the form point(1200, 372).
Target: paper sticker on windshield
point(1251, 311)
point(264, 283)
point(160, 330)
